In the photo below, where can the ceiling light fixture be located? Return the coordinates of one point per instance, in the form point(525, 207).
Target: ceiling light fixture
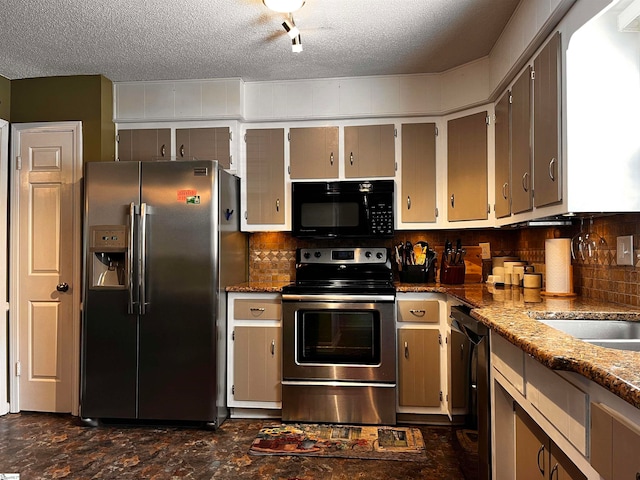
point(284, 6)
point(296, 44)
point(290, 28)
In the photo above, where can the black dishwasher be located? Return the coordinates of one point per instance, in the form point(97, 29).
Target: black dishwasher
point(479, 416)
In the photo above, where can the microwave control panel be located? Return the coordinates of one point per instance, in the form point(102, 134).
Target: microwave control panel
point(381, 219)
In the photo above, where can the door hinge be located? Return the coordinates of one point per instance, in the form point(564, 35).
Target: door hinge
point(533, 74)
point(289, 136)
point(233, 389)
point(437, 212)
point(18, 369)
point(245, 138)
point(396, 164)
point(118, 138)
point(230, 136)
point(395, 132)
point(510, 97)
point(437, 131)
point(230, 159)
point(233, 335)
point(440, 395)
point(440, 338)
point(18, 162)
point(487, 119)
point(488, 208)
point(289, 169)
point(246, 215)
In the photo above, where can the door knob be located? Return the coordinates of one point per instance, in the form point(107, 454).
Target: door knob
point(62, 287)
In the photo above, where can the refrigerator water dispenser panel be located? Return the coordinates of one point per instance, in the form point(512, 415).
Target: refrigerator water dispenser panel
point(108, 262)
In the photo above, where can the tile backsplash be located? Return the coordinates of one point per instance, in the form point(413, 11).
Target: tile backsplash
point(272, 254)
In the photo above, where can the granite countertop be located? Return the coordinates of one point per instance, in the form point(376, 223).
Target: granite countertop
point(512, 313)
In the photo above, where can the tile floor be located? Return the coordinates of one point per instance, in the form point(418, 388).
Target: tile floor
point(40, 446)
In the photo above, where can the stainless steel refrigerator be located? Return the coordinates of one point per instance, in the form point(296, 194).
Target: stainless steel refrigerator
point(162, 240)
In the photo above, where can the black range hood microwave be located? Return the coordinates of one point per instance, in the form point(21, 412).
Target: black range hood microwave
point(343, 209)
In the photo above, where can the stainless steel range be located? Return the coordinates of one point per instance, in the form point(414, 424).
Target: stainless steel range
point(339, 338)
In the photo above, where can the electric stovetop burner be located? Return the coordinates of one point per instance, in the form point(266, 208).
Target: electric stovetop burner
point(345, 270)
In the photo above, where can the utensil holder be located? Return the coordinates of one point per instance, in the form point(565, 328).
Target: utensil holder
point(418, 274)
point(452, 274)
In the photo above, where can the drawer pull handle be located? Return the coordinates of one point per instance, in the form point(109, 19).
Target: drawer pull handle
point(256, 311)
point(417, 313)
point(331, 158)
point(406, 350)
point(540, 452)
point(273, 347)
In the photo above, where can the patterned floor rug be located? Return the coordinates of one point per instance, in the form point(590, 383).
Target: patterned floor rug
point(344, 441)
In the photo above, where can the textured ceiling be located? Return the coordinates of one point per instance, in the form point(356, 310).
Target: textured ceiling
point(196, 39)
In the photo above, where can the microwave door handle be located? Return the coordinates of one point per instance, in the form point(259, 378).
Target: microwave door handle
point(365, 202)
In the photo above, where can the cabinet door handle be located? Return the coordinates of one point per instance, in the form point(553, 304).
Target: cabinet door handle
point(462, 351)
point(525, 181)
point(351, 158)
point(540, 453)
point(554, 471)
point(417, 313)
point(331, 158)
point(182, 150)
point(277, 204)
point(408, 202)
point(505, 185)
point(453, 200)
point(273, 347)
point(163, 150)
point(256, 309)
point(406, 350)
point(552, 174)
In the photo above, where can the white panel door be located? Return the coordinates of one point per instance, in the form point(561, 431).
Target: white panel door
point(4, 341)
point(46, 297)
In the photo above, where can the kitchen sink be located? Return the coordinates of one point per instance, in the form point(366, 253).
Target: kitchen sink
point(617, 334)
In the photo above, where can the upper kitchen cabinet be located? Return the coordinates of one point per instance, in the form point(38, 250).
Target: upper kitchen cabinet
point(204, 144)
point(418, 188)
point(546, 124)
point(513, 192)
point(144, 144)
point(369, 151)
point(264, 187)
point(467, 167)
point(313, 153)
point(521, 181)
point(502, 206)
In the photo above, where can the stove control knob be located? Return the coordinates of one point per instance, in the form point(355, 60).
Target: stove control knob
point(367, 254)
point(317, 254)
point(307, 255)
point(379, 255)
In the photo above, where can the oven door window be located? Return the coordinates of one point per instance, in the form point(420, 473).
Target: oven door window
point(338, 337)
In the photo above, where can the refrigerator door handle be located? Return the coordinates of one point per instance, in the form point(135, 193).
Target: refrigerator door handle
point(142, 272)
point(130, 259)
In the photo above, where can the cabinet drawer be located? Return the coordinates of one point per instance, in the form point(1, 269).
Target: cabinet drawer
point(562, 403)
point(256, 309)
point(508, 360)
point(426, 311)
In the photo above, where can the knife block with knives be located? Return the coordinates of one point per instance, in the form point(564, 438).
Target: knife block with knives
point(452, 269)
point(416, 263)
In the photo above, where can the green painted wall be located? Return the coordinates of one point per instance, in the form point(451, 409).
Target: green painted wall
point(88, 98)
point(5, 99)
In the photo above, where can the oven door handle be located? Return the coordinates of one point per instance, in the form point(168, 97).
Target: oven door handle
point(338, 384)
point(337, 298)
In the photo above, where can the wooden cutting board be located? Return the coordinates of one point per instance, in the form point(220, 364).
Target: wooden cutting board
point(473, 265)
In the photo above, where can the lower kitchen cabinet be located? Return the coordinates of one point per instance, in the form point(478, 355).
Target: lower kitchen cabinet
point(537, 457)
point(419, 368)
point(615, 445)
point(458, 371)
point(254, 353)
